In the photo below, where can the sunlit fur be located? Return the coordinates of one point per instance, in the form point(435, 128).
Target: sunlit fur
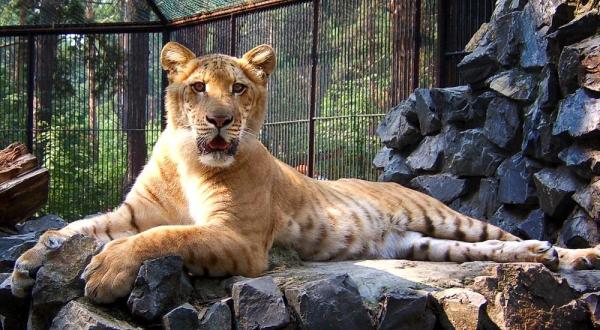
point(222, 211)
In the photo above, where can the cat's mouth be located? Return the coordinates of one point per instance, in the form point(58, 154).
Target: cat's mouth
point(217, 145)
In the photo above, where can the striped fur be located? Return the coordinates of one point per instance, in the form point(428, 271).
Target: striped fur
point(221, 211)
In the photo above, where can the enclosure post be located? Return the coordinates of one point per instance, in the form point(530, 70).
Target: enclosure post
point(166, 37)
point(233, 36)
point(441, 44)
point(417, 43)
point(313, 90)
point(30, 89)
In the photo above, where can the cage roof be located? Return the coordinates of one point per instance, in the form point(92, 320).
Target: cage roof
point(35, 13)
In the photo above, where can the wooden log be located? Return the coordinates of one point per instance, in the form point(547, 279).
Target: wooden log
point(23, 189)
point(22, 196)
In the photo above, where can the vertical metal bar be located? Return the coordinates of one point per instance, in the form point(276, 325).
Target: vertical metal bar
point(232, 33)
point(166, 37)
point(30, 89)
point(313, 90)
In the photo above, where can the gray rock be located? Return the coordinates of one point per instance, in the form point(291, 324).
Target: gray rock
point(578, 66)
point(428, 155)
point(333, 303)
point(482, 62)
point(538, 140)
point(534, 45)
point(534, 226)
point(592, 301)
point(11, 247)
point(508, 35)
point(555, 188)
point(427, 111)
point(502, 123)
point(514, 84)
point(589, 199)
point(529, 296)
point(461, 309)
point(14, 309)
point(473, 115)
point(399, 127)
point(516, 180)
point(182, 317)
point(548, 89)
point(509, 218)
point(258, 304)
point(470, 153)
point(217, 317)
point(59, 280)
point(581, 27)
point(406, 310)
point(41, 224)
point(551, 13)
point(161, 285)
point(79, 314)
point(444, 187)
point(582, 160)
point(397, 170)
point(481, 203)
point(579, 115)
point(579, 231)
point(382, 158)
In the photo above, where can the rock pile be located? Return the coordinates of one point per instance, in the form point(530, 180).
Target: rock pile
point(518, 144)
point(382, 294)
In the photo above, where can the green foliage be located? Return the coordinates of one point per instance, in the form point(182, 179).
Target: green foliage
point(88, 164)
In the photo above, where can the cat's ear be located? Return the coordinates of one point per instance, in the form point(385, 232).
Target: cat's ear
point(174, 56)
point(261, 61)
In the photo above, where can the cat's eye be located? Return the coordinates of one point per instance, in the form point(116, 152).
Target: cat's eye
point(238, 88)
point(199, 87)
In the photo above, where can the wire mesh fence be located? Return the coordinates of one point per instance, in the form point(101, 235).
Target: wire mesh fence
point(90, 104)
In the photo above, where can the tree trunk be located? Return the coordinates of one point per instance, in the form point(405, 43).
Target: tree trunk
point(136, 53)
point(46, 50)
point(90, 59)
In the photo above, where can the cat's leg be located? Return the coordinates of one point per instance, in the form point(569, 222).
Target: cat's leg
point(133, 216)
point(415, 246)
point(214, 250)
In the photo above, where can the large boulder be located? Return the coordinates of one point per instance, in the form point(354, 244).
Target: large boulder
point(588, 199)
point(333, 303)
point(428, 155)
point(582, 160)
point(502, 123)
point(579, 115)
point(578, 66)
point(400, 127)
point(406, 310)
point(529, 296)
point(80, 314)
point(514, 84)
point(161, 285)
point(59, 280)
point(470, 153)
point(11, 247)
point(538, 140)
point(41, 224)
point(555, 188)
point(461, 308)
point(397, 170)
point(443, 187)
point(516, 180)
point(258, 304)
point(579, 231)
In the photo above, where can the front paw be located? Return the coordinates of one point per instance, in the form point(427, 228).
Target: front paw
point(111, 273)
point(23, 276)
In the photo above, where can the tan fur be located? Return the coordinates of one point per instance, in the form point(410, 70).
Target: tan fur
point(222, 212)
